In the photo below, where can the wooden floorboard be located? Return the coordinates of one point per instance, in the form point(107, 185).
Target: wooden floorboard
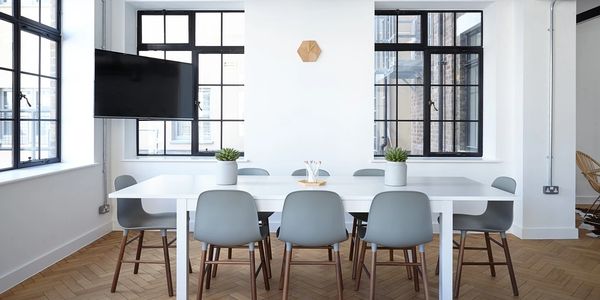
point(545, 269)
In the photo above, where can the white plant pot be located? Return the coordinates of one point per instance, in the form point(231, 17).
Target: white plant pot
point(227, 172)
point(395, 173)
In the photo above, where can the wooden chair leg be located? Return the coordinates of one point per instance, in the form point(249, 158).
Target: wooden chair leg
point(210, 257)
point(264, 265)
point(355, 267)
point(286, 276)
point(217, 255)
point(489, 252)
point(268, 242)
point(391, 255)
point(407, 259)
point(138, 252)
point(373, 271)
point(119, 261)
point(361, 262)
point(415, 269)
point(354, 229)
point(437, 267)
point(190, 266)
point(424, 272)
point(338, 275)
point(165, 243)
point(229, 253)
point(283, 259)
point(252, 277)
point(459, 265)
point(330, 254)
point(201, 274)
point(509, 264)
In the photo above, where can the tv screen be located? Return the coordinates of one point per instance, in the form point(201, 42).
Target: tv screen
point(130, 86)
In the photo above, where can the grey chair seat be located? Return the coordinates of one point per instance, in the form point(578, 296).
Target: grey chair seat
point(154, 222)
point(481, 223)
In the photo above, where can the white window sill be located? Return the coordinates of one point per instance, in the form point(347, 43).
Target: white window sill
point(442, 160)
point(12, 176)
point(171, 159)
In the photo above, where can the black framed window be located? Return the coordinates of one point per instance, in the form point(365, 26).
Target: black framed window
point(428, 82)
point(29, 83)
point(213, 42)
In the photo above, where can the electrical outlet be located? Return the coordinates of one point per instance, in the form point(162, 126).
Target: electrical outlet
point(551, 189)
point(104, 209)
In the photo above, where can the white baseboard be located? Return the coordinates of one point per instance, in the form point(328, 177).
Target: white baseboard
point(585, 199)
point(545, 233)
point(51, 257)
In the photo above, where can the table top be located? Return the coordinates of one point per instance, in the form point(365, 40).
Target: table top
point(350, 188)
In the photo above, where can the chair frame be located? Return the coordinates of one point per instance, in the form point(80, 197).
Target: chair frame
point(590, 169)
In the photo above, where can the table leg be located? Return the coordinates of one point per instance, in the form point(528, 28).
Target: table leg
point(182, 250)
point(445, 289)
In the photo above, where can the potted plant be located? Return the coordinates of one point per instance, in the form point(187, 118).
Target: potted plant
point(227, 167)
point(395, 169)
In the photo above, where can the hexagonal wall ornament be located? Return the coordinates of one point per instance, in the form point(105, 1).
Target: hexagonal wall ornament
point(309, 51)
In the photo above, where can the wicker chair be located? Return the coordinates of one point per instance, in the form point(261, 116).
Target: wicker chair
point(590, 169)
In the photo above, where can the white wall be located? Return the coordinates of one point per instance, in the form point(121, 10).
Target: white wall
point(588, 101)
point(46, 218)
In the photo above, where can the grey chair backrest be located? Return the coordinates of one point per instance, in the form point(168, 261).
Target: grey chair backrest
point(253, 171)
point(129, 211)
point(369, 172)
point(400, 219)
point(501, 212)
point(302, 172)
point(226, 218)
point(313, 218)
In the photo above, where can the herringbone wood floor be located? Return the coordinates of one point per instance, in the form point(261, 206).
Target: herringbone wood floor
point(545, 269)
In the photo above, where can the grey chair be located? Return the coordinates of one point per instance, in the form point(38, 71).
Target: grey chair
point(302, 172)
point(228, 218)
point(497, 218)
point(359, 219)
point(311, 219)
point(132, 216)
point(397, 220)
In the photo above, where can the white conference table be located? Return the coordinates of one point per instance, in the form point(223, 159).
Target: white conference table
point(356, 193)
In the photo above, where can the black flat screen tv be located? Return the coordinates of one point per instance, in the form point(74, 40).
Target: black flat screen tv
point(130, 86)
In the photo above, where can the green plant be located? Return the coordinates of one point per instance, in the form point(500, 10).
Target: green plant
point(227, 154)
point(396, 154)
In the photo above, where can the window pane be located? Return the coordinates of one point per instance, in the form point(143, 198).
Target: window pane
point(180, 56)
point(233, 29)
point(441, 29)
point(443, 100)
point(48, 139)
point(233, 68)
point(410, 137)
point(385, 29)
point(208, 29)
point(151, 137)
point(442, 135)
point(468, 29)
point(233, 135)
point(47, 98)
point(467, 68)
point(210, 102)
point(442, 68)
point(29, 141)
point(6, 44)
point(48, 57)
point(466, 136)
point(30, 50)
point(467, 103)
point(233, 102)
point(410, 67)
point(29, 103)
point(209, 68)
point(6, 144)
point(179, 137)
point(385, 102)
point(153, 54)
point(6, 7)
point(31, 9)
point(6, 94)
point(385, 136)
point(177, 29)
point(409, 29)
point(153, 29)
point(410, 103)
point(209, 136)
point(49, 9)
point(385, 67)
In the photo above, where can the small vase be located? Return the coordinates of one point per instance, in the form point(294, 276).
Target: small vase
point(395, 173)
point(226, 172)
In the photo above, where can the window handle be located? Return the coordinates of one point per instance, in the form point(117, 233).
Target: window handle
point(21, 96)
point(199, 106)
point(431, 103)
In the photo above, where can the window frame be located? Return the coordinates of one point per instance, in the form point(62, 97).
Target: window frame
point(428, 51)
point(21, 23)
point(195, 51)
